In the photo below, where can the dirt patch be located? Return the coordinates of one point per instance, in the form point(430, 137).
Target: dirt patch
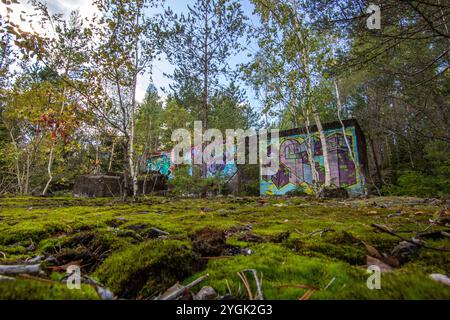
point(92, 248)
point(208, 242)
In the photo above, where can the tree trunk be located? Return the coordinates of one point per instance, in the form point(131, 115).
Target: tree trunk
point(16, 162)
point(205, 88)
point(49, 170)
point(126, 184)
point(323, 141)
point(347, 143)
point(27, 174)
point(133, 169)
point(379, 181)
point(304, 60)
point(111, 157)
point(50, 158)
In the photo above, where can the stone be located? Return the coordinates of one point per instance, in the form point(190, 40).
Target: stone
point(206, 293)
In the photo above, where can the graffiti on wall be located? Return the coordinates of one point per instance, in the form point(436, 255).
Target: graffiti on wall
point(161, 164)
point(295, 170)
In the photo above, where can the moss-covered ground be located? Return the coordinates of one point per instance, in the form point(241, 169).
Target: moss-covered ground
point(116, 243)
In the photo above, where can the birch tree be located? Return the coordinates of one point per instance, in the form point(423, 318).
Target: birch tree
point(126, 51)
point(298, 51)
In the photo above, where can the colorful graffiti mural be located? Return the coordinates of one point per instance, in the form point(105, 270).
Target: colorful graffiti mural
point(161, 163)
point(295, 169)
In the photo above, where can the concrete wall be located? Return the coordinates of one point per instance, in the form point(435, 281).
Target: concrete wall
point(295, 170)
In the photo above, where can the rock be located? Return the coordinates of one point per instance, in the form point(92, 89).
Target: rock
point(404, 250)
point(104, 293)
point(441, 278)
point(206, 293)
point(155, 233)
point(327, 192)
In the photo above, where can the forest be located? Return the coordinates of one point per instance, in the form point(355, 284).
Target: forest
point(97, 88)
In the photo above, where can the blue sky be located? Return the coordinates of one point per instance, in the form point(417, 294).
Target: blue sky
point(164, 66)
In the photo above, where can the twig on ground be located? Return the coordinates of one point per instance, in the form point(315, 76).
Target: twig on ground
point(381, 228)
point(330, 283)
point(307, 294)
point(175, 294)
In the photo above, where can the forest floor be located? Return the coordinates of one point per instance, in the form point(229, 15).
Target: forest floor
point(304, 247)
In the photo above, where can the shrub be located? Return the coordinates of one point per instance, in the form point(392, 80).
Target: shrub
point(185, 183)
point(433, 178)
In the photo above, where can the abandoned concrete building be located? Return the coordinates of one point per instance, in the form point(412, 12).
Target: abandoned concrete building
point(346, 157)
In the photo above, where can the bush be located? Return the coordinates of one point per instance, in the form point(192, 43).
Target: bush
point(186, 184)
point(433, 180)
point(418, 184)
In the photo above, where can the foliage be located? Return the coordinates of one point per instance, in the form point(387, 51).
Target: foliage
point(187, 182)
point(432, 181)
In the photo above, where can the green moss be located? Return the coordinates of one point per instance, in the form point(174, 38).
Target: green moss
point(25, 289)
point(131, 267)
point(146, 269)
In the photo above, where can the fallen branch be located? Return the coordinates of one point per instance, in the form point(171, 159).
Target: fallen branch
point(417, 243)
point(307, 294)
point(175, 294)
point(18, 269)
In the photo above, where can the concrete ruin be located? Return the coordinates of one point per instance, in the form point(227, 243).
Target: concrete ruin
point(94, 186)
point(294, 172)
